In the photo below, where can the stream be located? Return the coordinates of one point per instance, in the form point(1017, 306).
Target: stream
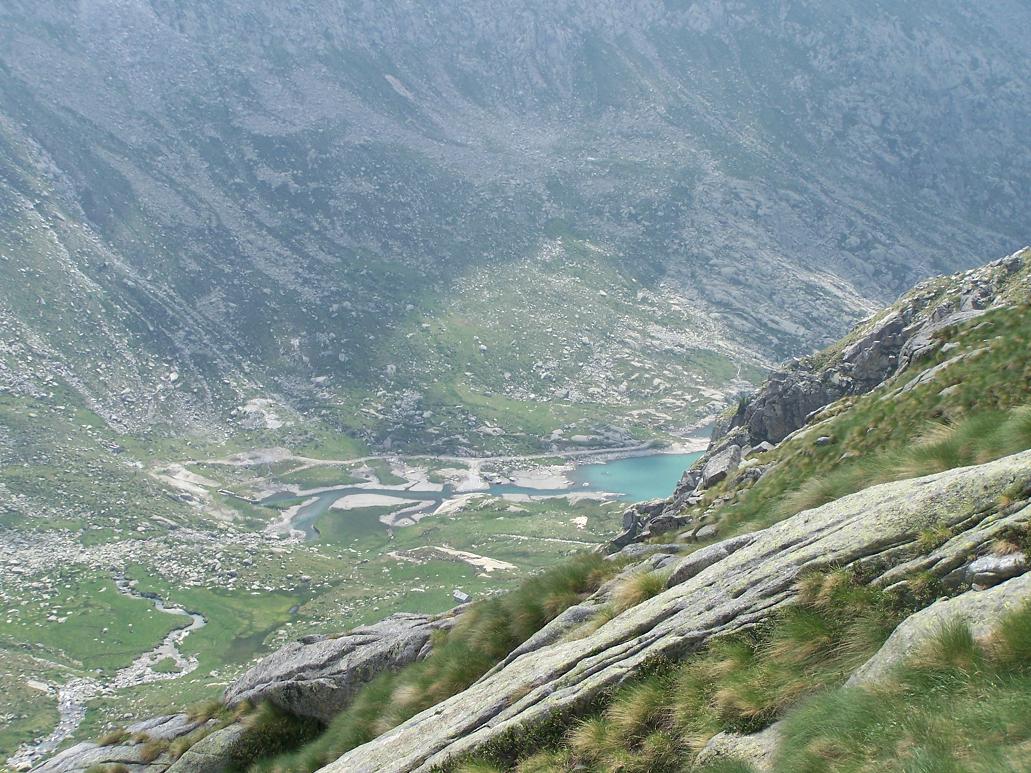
point(73, 695)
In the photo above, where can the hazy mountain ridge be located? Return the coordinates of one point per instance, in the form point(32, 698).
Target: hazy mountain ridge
point(258, 193)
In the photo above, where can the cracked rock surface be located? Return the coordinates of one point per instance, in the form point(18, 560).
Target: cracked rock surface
point(317, 678)
point(879, 526)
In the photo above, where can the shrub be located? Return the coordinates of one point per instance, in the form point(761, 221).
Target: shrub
point(637, 588)
point(205, 710)
point(741, 682)
point(153, 749)
point(271, 731)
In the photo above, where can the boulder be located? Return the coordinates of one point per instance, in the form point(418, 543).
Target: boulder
point(756, 576)
point(720, 465)
point(663, 523)
point(318, 678)
point(990, 570)
point(213, 754)
point(83, 756)
point(640, 550)
point(166, 728)
point(756, 750)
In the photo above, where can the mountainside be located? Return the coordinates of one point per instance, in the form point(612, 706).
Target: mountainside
point(353, 209)
point(859, 596)
point(308, 310)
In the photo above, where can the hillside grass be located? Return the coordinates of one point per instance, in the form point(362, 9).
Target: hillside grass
point(740, 683)
point(482, 636)
point(96, 629)
point(972, 412)
point(959, 705)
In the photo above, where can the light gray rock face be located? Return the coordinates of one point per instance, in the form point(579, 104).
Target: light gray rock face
point(953, 561)
point(981, 610)
point(166, 728)
point(318, 678)
point(213, 754)
point(879, 526)
point(85, 755)
point(757, 749)
point(991, 570)
point(720, 465)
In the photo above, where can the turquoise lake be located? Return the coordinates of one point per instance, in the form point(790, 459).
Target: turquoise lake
point(637, 478)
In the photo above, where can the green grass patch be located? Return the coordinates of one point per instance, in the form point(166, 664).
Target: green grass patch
point(88, 625)
point(320, 476)
point(739, 683)
point(383, 473)
point(959, 705)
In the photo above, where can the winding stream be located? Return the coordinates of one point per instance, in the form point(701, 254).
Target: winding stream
point(73, 695)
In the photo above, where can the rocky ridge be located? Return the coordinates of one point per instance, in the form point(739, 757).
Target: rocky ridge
point(878, 350)
point(317, 676)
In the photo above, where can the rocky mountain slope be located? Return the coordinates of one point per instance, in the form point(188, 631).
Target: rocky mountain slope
point(204, 204)
point(884, 543)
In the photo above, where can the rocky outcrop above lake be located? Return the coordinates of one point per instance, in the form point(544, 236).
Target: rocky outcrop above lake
point(742, 582)
point(873, 352)
point(795, 396)
point(317, 676)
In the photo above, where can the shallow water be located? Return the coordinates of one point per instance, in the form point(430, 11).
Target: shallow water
point(636, 478)
point(632, 479)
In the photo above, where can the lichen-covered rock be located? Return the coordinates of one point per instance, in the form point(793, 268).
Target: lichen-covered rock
point(738, 590)
point(981, 610)
point(951, 561)
point(166, 728)
point(990, 570)
point(757, 750)
point(319, 677)
point(133, 756)
point(212, 754)
point(83, 756)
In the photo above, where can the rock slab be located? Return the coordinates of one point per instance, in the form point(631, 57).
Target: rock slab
point(318, 677)
point(880, 525)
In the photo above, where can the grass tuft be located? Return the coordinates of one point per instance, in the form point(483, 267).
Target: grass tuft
point(637, 588)
point(957, 705)
point(114, 737)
